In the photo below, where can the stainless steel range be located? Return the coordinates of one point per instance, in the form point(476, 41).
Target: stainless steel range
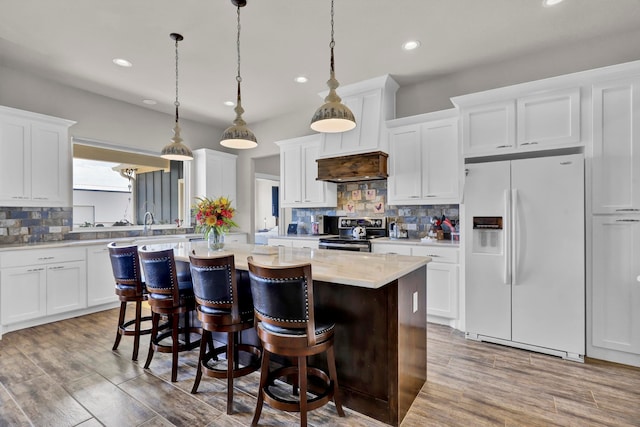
point(355, 234)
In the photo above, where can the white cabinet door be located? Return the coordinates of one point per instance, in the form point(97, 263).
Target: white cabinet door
point(23, 293)
point(440, 162)
point(390, 248)
point(424, 163)
point(50, 163)
point(100, 281)
point(303, 243)
point(66, 287)
point(615, 283)
point(35, 168)
point(489, 129)
point(549, 119)
point(298, 172)
point(442, 290)
point(404, 185)
point(287, 243)
point(215, 174)
point(616, 147)
point(15, 162)
point(312, 190)
point(290, 176)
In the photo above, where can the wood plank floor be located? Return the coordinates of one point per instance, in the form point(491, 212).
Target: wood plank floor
point(65, 374)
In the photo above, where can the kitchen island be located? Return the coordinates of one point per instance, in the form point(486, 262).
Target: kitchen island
point(378, 303)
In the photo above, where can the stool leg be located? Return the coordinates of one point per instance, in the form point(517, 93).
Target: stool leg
point(136, 336)
point(155, 318)
point(123, 309)
point(333, 376)
point(231, 360)
point(175, 332)
point(264, 375)
point(302, 375)
point(203, 351)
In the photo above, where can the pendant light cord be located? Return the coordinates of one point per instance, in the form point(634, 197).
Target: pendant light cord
point(177, 103)
point(238, 77)
point(332, 43)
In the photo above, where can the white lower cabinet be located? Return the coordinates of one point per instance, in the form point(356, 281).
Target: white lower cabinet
point(443, 277)
point(235, 238)
point(311, 243)
point(615, 289)
point(100, 282)
point(41, 282)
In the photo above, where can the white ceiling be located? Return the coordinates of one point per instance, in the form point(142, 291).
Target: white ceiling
point(74, 42)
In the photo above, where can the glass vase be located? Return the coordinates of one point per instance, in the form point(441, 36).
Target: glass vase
point(215, 240)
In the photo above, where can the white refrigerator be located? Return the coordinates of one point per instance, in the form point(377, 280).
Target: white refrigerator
point(525, 254)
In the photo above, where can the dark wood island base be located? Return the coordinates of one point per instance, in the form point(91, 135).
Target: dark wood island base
point(380, 343)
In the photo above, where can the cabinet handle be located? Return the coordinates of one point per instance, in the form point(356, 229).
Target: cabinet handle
point(432, 195)
point(529, 143)
point(627, 220)
point(627, 210)
point(58, 267)
point(42, 258)
point(433, 256)
point(41, 198)
point(35, 269)
point(504, 146)
point(414, 197)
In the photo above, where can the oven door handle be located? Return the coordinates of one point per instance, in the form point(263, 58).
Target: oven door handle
point(342, 245)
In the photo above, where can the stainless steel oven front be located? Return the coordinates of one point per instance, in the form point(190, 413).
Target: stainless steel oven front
point(354, 245)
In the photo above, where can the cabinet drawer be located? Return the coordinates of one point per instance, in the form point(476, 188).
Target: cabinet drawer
point(448, 255)
point(41, 256)
point(384, 248)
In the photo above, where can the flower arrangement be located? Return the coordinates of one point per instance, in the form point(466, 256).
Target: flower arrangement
point(214, 214)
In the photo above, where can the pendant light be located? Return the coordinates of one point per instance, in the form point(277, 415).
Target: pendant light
point(238, 135)
point(333, 116)
point(176, 150)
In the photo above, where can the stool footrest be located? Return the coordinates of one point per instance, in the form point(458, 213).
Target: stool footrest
point(128, 327)
point(183, 346)
point(290, 405)
point(208, 361)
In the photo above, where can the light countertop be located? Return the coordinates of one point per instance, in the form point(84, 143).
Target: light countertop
point(361, 269)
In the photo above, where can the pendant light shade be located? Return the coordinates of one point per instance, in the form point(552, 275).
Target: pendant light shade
point(333, 116)
point(176, 150)
point(238, 135)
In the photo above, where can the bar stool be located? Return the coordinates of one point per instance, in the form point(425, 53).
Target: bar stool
point(170, 294)
point(283, 304)
point(130, 288)
point(224, 303)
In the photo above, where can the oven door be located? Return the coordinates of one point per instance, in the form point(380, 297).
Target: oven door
point(363, 246)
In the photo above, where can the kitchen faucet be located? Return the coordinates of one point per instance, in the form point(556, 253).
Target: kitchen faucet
point(147, 225)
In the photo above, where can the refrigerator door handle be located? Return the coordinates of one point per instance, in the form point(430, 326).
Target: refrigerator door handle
point(514, 236)
point(507, 241)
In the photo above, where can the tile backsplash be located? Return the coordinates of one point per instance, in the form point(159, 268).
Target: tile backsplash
point(368, 198)
point(42, 224)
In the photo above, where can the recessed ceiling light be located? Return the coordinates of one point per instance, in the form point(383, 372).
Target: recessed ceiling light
point(301, 79)
point(549, 3)
point(149, 101)
point(122, 62)
point(229, 103)
point(411, 45)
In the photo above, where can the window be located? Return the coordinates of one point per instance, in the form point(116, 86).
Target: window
point(113, 187)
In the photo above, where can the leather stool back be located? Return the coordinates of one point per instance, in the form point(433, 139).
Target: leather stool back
point(170, 294)
point(224, 301)
point(283, 304)
point(129, 288)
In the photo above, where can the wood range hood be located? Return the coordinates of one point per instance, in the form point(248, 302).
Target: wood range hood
point(356, 167)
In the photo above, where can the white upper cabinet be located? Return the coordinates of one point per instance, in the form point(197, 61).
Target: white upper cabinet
point(616, 146)
point(215, 174)
point(298, 173)
point(35, 168)
point(489, 128)
point(372, 102)
point(424, 159)
point(548, 120)
point(507, 121)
